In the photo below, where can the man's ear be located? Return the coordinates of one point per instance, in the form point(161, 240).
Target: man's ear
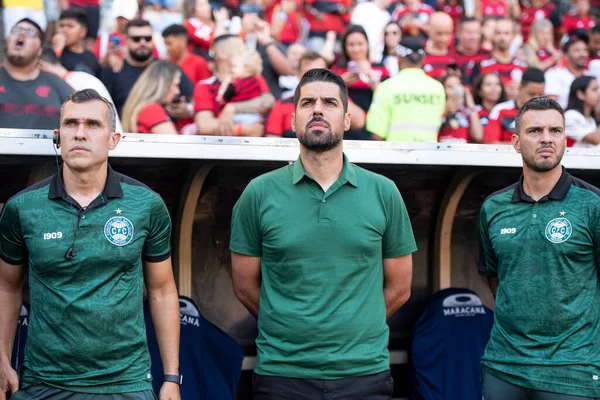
point(516, 142)
point(294, 122)
point(115, 138)
point(347, 119)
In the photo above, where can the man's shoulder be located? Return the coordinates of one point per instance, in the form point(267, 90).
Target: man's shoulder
point(499, 198)
point(364, 175)
point(488, 63)
point(39, 189)
point(591, 189)
point(556, 72)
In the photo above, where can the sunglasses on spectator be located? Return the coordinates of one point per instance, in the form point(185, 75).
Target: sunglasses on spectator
point(30, 33)
point(137, 39)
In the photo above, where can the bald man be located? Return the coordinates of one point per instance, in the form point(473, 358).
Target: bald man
point(438, 59)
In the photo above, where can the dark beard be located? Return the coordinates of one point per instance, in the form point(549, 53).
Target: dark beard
point(544, 165)
point(140, 57)
point(319, 142)
point(19, 61)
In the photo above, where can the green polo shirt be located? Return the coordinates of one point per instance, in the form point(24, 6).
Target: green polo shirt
point(86, 331)
point(322, 311)
point(546, 333)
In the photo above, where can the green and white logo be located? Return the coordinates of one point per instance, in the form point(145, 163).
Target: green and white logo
point(119, 231)
point(558, 230)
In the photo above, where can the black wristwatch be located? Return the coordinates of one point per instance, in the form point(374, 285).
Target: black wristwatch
point(178, 379)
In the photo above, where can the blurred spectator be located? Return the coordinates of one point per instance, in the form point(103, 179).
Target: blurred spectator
point(360, 75)
point(286, 22)
point(279, 123)
point(534, 10)
point(438, 59)
point(539, 50)
point(324, 16)
point(488, 29)
point(213, 119)
point(289, 82)
point(594, 43)
point(203, 24)
point(176, 41)
point(559, 78)
point(580, 117)
point(144, 111)
point(138, 57)
point(490, 8)
point(454, 8)
point(413, 17)
point(578, 19)
point(468, 52)
point(487, 92)
point(460, 123)
point(409, 106)
point(15, 10)
point(68, 43)
point(159, 5)
point(78, 80)
point(501, 124)
point(92, 11)
point(501, 61)
point(29, 98)
point(373, 17)
point(392, 36)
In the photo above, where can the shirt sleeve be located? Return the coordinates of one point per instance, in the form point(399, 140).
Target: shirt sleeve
point(398, 239)
point(246, 237)
point(488, 262)
point(576, 127)
point(378, 117)
point(158, 243)
point(152, 115)
point(13, 249)
point(275, 121)
point(202, 98)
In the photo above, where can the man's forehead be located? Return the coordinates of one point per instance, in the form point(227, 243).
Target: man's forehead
point(90, 109)
point(139, 30)
point(320, 89)
point(542, 118)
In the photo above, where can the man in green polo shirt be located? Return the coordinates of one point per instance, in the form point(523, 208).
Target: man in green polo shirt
point(90, 239)
point(322, 254)
point(540, 250)
point(409, 106)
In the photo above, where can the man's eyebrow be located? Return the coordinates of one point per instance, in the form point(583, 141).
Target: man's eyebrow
point(86, 120)
point(542, 127)
point(311, 98)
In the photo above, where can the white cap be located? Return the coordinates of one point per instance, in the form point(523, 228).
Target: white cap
point(127, 9)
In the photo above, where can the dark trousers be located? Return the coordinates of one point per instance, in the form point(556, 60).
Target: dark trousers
point(369, 387)
point(41, 392)
point(497, 389)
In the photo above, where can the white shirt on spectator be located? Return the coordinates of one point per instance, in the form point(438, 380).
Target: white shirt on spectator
point(79, 80)
point(373, 19)
point(558, 83)
point(577, 126)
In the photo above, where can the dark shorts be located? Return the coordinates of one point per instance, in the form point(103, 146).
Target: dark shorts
point(497, 389)
point(93, 22)
point(40, 392)
point(369, 387)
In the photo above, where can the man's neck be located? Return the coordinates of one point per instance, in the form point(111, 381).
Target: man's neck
point(27, 73)
point(462, 50)
point(325, 167)
point(577, 72)
point(76, 48)
point(135, 63)
point(436, 50)
point(182, 56)
point(539, 184)
point(84, 187)
point(503, 56)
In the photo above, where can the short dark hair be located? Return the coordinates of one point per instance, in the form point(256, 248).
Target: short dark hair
point(322, 75)
point(137, 23)
point(579, 84)
point(542, 103)
point(532, 75)
point(86, 95)
point(311, 56)
point(76, 13)
point(174, 30)
point(571, 42)
point(466, 20)
point(222, 38)
point(41, 34)
point(49, 55)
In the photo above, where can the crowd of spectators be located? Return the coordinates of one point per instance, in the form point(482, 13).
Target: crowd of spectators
point(230, 67)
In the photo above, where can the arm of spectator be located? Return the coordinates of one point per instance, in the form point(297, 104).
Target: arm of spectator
point(255, 130)
point(577, 128)
point(277, 58)
point(593, 137)
point(478, 12)
point(221, 16)
point(513, 10)
point(357, 116)
point(167, 128)
point(327, 51)
point(259, 105)
point(475, 127)
point(209, 125)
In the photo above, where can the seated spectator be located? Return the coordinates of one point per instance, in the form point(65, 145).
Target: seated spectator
point(323, 16)
point(438, 59)
point(413, 17)
point(286, 22)
point(279, 122)
point(243, 83)
point(468, 51)
point(501, 124)
point(488, 28)
point(559, 78)
point(487, 92)
point(454, 8)
point(92, 10)
point(213, 119)
point(29, 98)
point(539, 49)
point(203, 25)
point(392, 36)
point(594, 43)
point(580, 118)
point(373, 17)
point(144, 111)
point(361, 76)
point(69, 43)
point(501, 61)
point(578, 19)
point(535, 10)
point(490, 9)
point(78, 80)
point(289, 82)
point(460, 123)
point(176, 42)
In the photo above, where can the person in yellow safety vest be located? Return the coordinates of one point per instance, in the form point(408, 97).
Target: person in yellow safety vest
point(409, 106)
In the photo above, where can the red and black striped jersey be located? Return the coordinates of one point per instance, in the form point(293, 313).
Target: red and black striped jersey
point(493, 8)
point(573, 22)
point(437, 66)
point(501, 125)
point(512, 71)
point(530, 15)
